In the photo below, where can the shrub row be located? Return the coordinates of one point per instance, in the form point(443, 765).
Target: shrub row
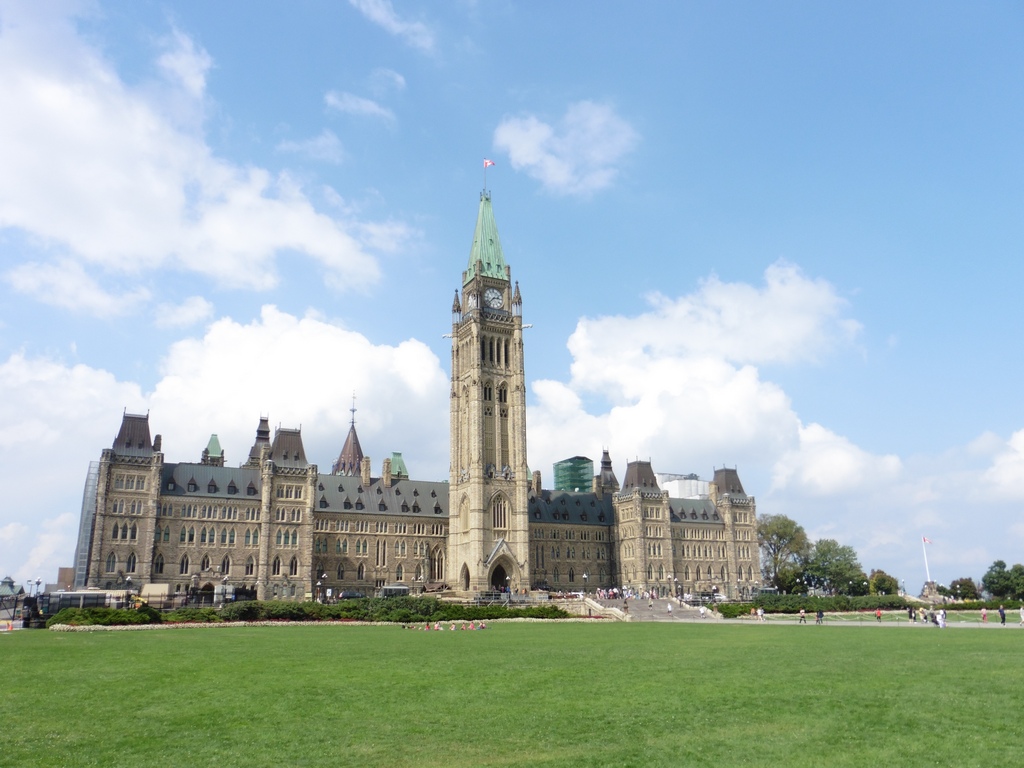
point(405, 610)
point(793, 603)
point(104, 616)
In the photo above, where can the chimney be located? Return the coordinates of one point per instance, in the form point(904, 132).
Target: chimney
point(385, 473)
point(365, 472)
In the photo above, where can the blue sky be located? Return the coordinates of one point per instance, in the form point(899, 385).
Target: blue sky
point(784, 238)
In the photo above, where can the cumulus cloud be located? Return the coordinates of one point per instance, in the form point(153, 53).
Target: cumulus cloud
point(382, 13)
point(301, 371)
point(54, 420)
point(350, 104)
point(104, 174)
point(1004, 479)
point(580, 155)
point(826, 464)
point(326, 147)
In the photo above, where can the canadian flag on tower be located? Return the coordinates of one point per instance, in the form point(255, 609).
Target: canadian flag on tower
point(488, 163)
point(926, 540)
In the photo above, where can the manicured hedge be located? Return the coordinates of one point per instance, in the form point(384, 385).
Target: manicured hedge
point(104, 616)
point(403, 610)
point(793, 603)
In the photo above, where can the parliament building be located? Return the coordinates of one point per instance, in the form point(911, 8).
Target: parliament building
point(276, 527)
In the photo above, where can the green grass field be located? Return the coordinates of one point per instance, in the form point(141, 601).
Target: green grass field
point(516, 694)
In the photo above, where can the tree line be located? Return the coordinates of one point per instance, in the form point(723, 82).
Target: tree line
point(793, 564)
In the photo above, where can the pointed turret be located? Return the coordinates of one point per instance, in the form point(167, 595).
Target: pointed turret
point(350, 460)
point(262, 438)
point(486, 250)
point(606, 481)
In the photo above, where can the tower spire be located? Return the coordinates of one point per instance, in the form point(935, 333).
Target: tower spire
point(486, 250)
point(350, 459)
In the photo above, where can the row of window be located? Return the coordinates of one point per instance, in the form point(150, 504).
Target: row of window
point(277, 567)
point(130, 482)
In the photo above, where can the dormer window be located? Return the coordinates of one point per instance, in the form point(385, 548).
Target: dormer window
point(193, 486)
point(232, 488)
point(212, 487)
point(251, 490)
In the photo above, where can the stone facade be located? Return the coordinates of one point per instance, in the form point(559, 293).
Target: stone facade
point(278, 528)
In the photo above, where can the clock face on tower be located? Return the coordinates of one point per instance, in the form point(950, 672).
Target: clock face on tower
point(493, 298)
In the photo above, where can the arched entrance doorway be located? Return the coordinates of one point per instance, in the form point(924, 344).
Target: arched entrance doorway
point(500, 581)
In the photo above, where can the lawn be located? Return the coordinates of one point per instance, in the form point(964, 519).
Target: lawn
point(516, 694)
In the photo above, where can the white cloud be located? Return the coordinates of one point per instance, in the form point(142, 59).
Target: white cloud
point(102, 174)
point(1004, 479)
point(680, 380)
point(826, 464)
point(351, 104)
point(383, 80)
point(67, 285)
point(382, 13)
point(55, 419)
point(325, 147)
point(579, 156)
point(195, 309)
point(186, 63)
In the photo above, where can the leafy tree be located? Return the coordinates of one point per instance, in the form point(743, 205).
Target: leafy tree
point(836, 567)
point(965, 589)
point(997, 580)
point(1016, 581)
point(784, 545)
point(881, 583)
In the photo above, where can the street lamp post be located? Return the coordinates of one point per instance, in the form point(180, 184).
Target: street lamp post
point(585, 577)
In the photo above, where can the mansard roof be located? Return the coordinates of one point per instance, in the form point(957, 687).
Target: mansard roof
point(639, 474)
point(133, 438)
point(693, 511)
point(728, 481)
point(212, 481)
point(342, 493)
point(486, 245)
point(570, 508)
point(287, 449)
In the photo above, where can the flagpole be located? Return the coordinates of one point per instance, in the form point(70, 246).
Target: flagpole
point(927, 574)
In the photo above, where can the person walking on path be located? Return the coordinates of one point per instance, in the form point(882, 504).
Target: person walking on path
point(1002, 616)
point(878, 615)
point(819, 617)
point(1022, 614)
point(670, 609)
point(984, 614)
point(803, 617)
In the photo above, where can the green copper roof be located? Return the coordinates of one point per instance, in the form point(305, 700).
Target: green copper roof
point(214, 446)
point(398, 466)
point(486, 245)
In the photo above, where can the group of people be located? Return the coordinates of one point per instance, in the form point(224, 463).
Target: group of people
point(436, 626)
point(819, 616)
